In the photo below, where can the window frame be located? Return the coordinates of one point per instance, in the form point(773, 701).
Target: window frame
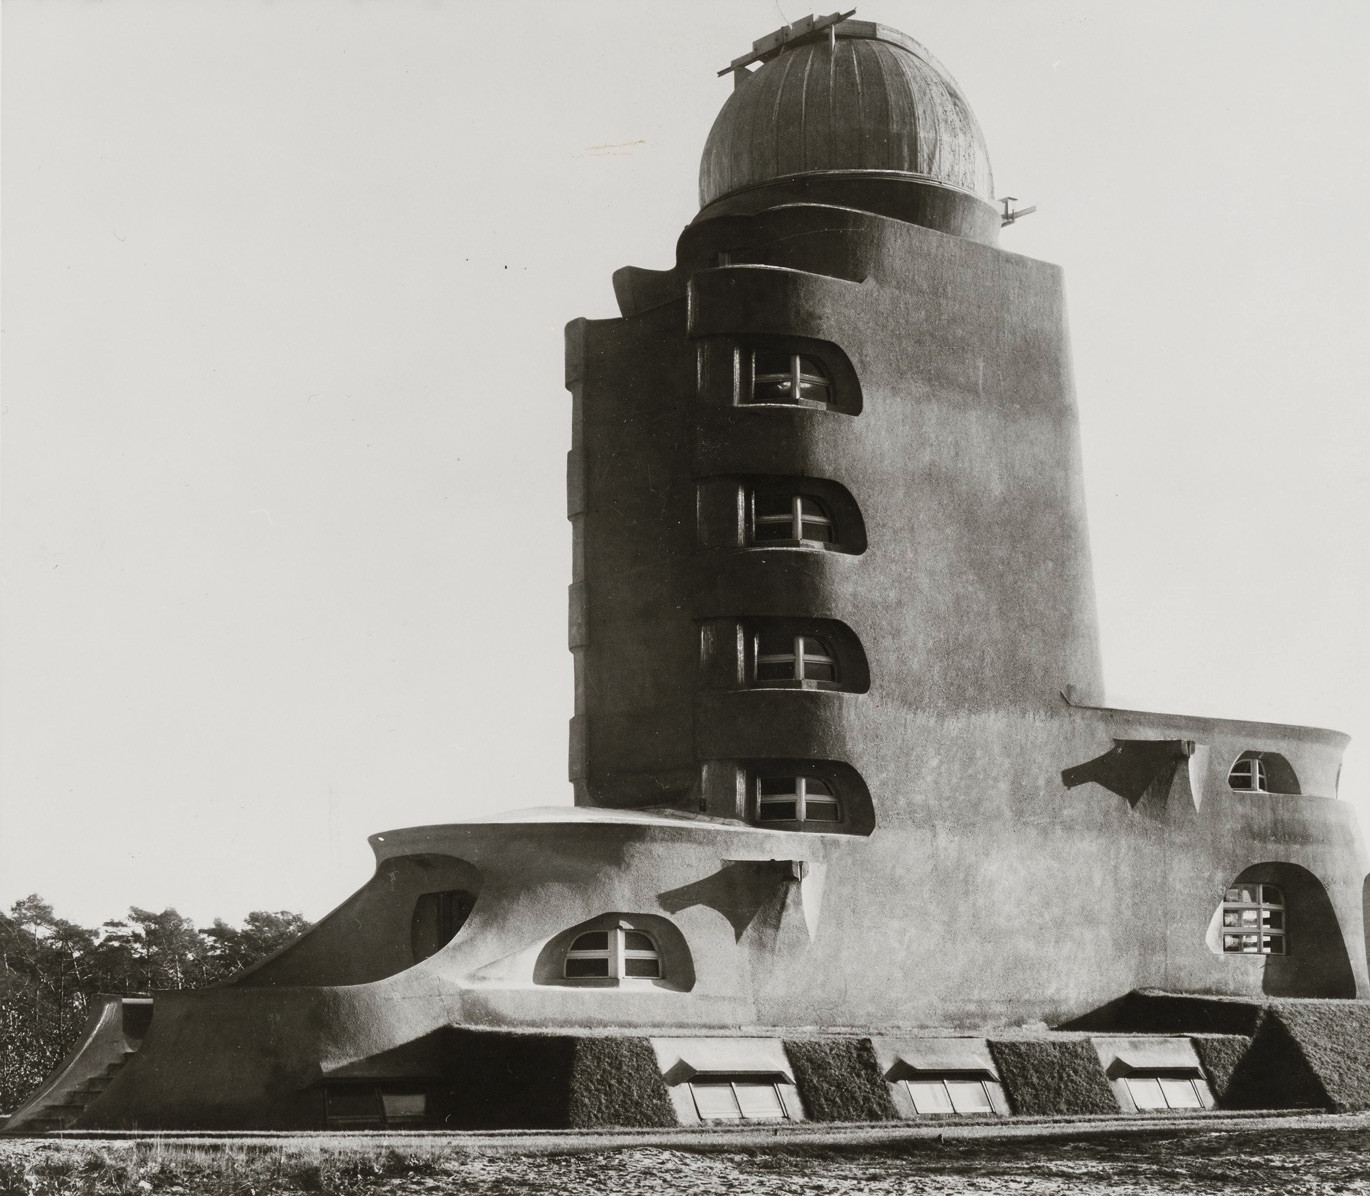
point(796, 521)
point(774, 1084)
point(945, 1081)
point(796, 377)
point(1198, 1085)
point(800, 796)
point(799, 657)
point(1254, 769)
point(1270, 938)
point(616, 955)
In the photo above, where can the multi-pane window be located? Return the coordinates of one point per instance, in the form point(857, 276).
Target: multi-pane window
point(784, 656)
point(789, 519)
point(614, 954)
point(1253, 920)
point(933, 1095)
point(1168, 1092)
point(779, 377)
point(796, 799)
point(1250, 773)
point(740, 1099)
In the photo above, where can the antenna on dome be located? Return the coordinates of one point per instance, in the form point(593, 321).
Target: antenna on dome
point(1011, 214)
point(766, 48)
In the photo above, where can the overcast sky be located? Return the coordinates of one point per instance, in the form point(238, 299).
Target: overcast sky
point(284, 543)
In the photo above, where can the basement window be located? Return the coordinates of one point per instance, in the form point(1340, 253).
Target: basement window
point(792, 519)
point(950, 1095)
point(1254, 920)
point(1157, 1092)
point(364, 1106)
point(619, 953)
point(739, 1098)
point(796, 799)
point(790, 378)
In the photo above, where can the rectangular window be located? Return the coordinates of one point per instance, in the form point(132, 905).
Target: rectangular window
point(352, 1106)
point(404, 1108)
point(738, 1100)
point(1155, 1093)
point(933, 1097)
point(1253, 919)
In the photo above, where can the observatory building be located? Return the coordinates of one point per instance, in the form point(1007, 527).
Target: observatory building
point(855, 835)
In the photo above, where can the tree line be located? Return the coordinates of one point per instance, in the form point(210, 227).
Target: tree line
point(51, 969)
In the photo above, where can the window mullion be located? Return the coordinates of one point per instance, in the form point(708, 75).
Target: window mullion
point(794, 377)
point(797, 516)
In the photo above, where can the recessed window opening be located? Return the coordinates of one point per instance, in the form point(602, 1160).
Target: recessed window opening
point(1254, 921)
point(1262, 772)
point(782, 656)
point(438, 917)
point(1157, 1092)
point(1249, 772)
point(360, 1106)
point(739, 1098)
point(790, 519)
point(949, 1095)
point(796, 799)
point(790, 378)
point(617, 954)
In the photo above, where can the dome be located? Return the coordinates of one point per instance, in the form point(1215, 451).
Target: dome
point(854, 99)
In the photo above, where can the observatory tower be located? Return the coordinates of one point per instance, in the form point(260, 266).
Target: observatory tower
point(853, 824)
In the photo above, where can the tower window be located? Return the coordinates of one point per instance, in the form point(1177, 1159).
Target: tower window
point(792, 378)
point(796, 799)
point(1262, 772)
point(790, 519)
point(783, 657)
point(616, 954)
point(1254, 920)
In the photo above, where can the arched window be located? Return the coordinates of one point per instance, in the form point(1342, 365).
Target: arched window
point(618, 953)
point(781, 518)
point(1262, 772)
point(796, 799)
point(1254, 920)
point(792, 378)
point(783, 656)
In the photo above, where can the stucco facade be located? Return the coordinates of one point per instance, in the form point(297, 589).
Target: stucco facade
point(936, 834)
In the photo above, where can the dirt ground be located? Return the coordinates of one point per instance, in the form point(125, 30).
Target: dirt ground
point(1269, 1161)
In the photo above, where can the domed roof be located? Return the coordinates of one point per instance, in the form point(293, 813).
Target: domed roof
point(856, 97)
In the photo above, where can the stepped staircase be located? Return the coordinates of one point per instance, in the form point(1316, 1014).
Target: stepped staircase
point(114, 1031)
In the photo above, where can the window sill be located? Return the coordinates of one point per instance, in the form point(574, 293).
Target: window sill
point(806, 545)
point(831, 686)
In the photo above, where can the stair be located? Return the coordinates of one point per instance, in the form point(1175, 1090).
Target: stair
point(114, 1032)
point(62, 1116)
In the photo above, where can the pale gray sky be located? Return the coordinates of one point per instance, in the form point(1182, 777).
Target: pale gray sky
point(284, 548)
